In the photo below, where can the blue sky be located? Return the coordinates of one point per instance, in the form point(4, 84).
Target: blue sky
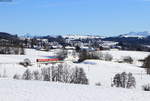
point(53, 17)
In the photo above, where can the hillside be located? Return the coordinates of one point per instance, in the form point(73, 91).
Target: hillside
point(4, 35)
point(136, 34)
point(9, 40)
point(132, 40)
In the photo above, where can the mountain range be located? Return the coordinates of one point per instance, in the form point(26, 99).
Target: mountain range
point(136, 34)
point(4, 35)
point(143, 34)
point(131, 37)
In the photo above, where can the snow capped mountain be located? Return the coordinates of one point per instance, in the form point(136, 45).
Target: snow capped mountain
point(136, 34)
point(82, 36)
point(27, 35)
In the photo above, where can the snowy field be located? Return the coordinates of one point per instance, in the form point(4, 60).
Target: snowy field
point(96, 71)
point(103, 72)
point(136, 55)
point(119, 55)
point(15, 90)
point(29, 53)
point(10, 63)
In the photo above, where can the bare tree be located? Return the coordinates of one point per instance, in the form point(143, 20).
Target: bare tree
point(46, 74)
point(128, 59)
point(146, 87)
point(36, 75)
point(131, 81)
point(17, 76)
point(108, 57)
point(124, 80)
point(4, 73)
point(79, 76)
point(27, 75)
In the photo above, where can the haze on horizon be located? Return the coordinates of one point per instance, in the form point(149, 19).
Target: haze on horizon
point(99, 17)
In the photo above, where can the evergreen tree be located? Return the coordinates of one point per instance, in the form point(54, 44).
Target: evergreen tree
point(146, 64)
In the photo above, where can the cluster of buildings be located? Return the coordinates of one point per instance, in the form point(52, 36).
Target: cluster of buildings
point(90, 43)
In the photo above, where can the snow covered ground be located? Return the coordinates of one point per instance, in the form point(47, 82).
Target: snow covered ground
point(96, 71)
point(136, 55)
point(29, 53)
point(17, 90)
point(103, 72)
point(10, 63)
point(119, 55)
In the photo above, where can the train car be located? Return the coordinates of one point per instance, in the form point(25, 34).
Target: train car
point(49, 60)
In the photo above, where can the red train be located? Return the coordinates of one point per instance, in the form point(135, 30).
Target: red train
point(48, 60)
